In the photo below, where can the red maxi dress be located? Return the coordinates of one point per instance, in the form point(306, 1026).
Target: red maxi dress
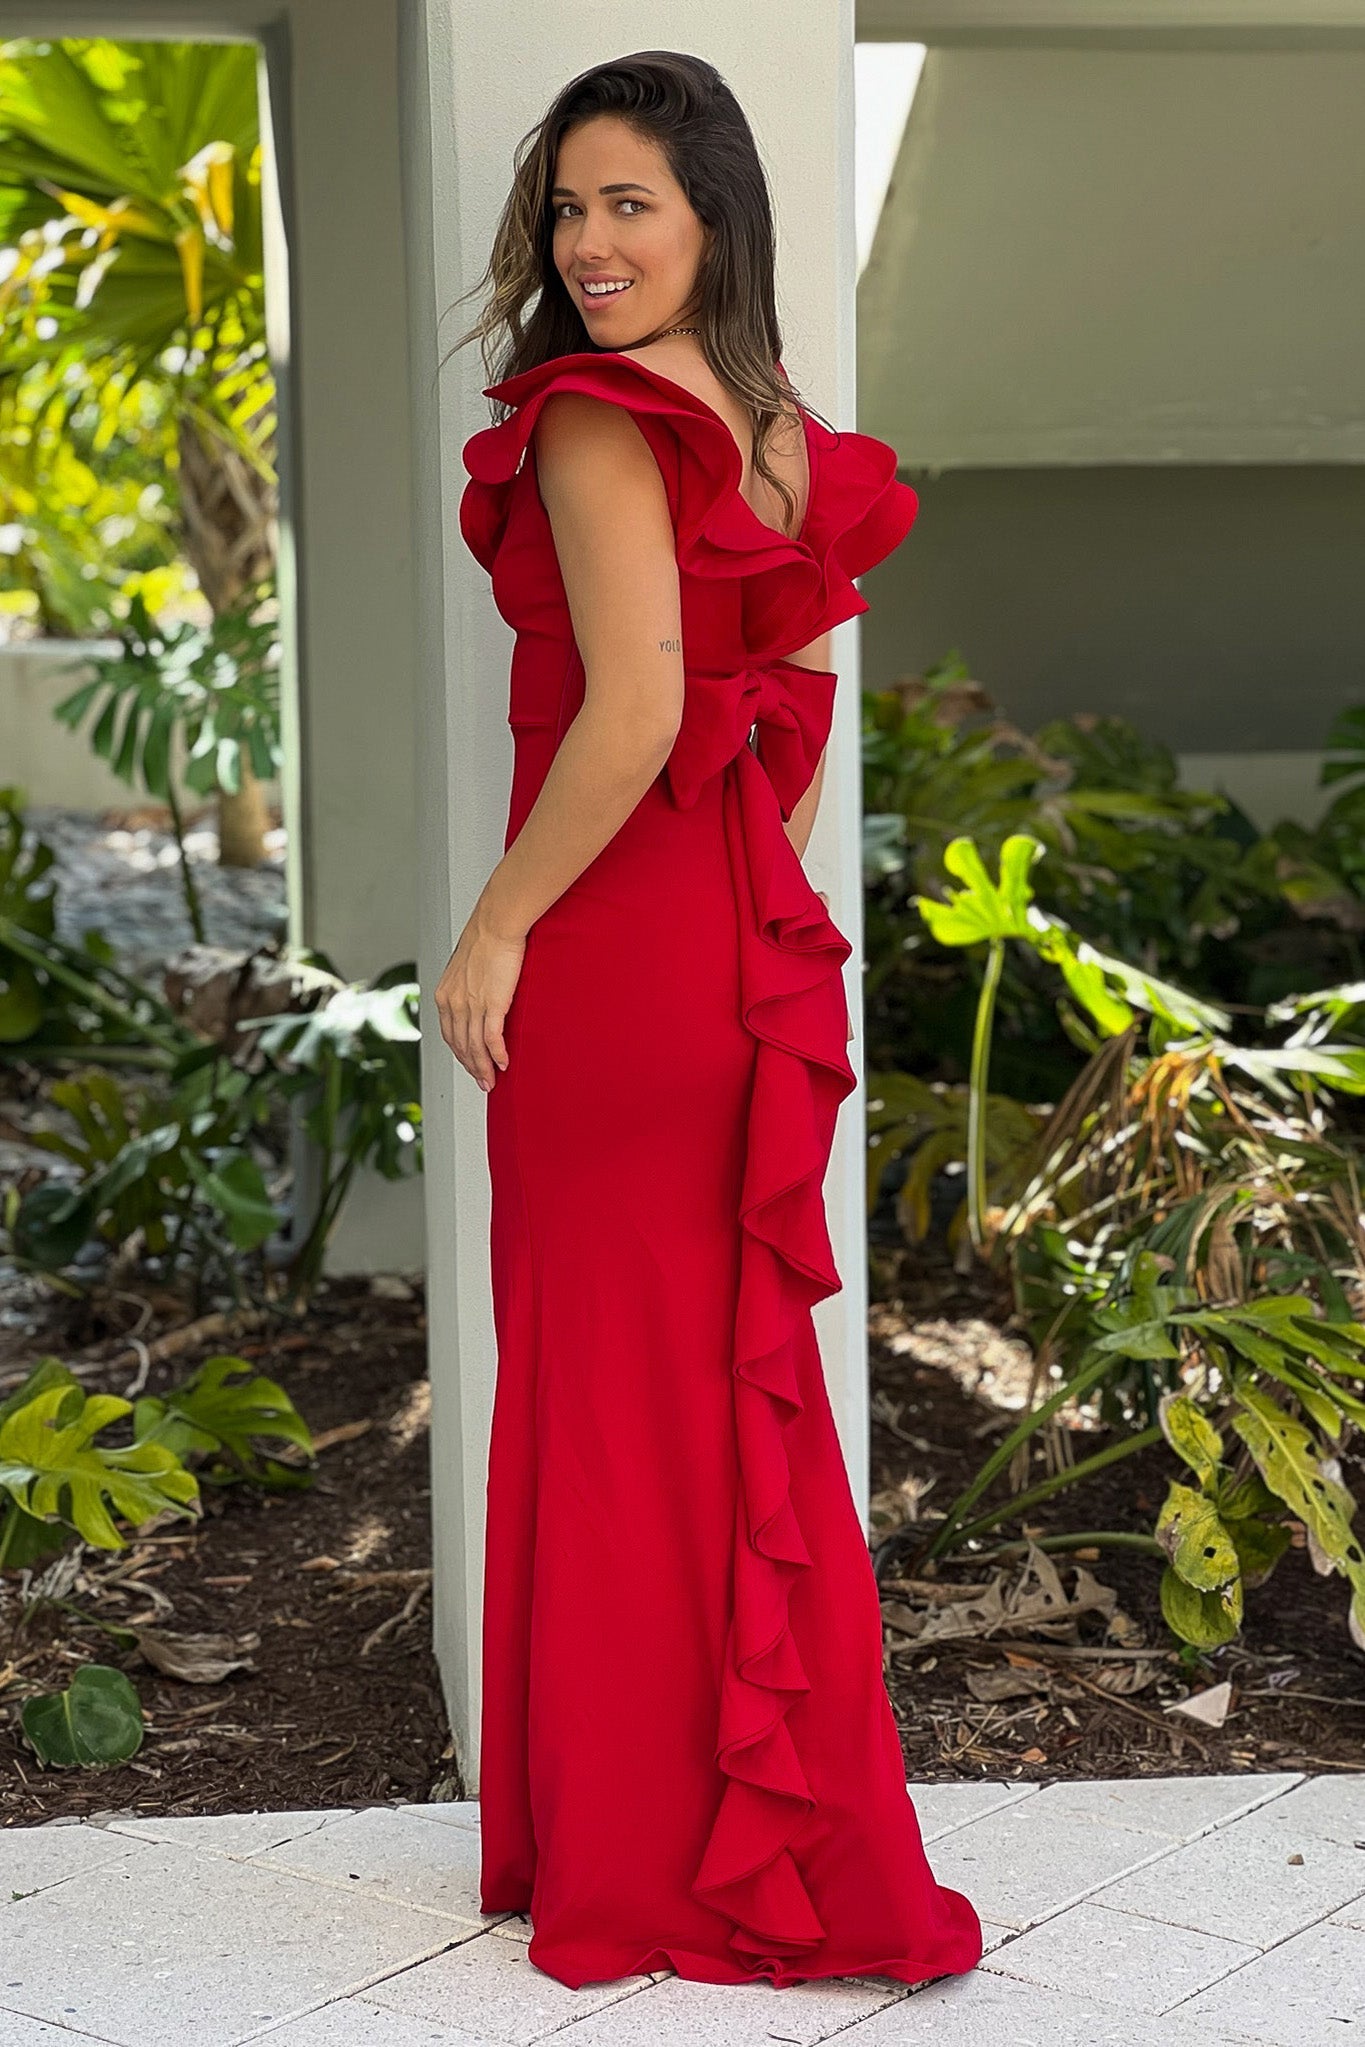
point(689, 1758)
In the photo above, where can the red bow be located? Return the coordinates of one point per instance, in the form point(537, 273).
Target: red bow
point(788, 707)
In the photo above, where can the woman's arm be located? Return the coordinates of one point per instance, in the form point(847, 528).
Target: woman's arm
point(613, 533)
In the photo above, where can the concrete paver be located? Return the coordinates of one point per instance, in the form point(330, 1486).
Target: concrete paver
point(463, 1812)
point(20, 2032)
point(1333, 1808)
point(1024, 1863)
point(942, 1808)
point(230, 1833)
point(31, 1858)
point(674, 2013)
point(1190, 1912)
point(981, 2010)
point(487, 1985)
point(1259, 1881)
point(1308, 1992)
point(1115, 1958)
point(391, 1855)
point(165, 1947)
point(356, 2022)
point(1180, 1808)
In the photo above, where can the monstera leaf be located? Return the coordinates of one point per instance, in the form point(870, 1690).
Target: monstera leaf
point(224, 1407)
point(1216, 1537)
point(53, 1469)
point(1288, 1460)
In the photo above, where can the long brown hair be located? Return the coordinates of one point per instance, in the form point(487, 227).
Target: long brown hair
point(682, 104)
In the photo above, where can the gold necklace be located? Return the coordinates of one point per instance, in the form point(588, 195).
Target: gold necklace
point(660, 337)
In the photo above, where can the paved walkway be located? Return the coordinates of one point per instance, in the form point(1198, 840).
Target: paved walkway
point(1168, 1912)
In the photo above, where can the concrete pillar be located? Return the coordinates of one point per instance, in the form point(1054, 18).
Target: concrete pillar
point(470, 88)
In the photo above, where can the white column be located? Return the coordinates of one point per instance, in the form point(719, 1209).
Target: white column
point(473, 84)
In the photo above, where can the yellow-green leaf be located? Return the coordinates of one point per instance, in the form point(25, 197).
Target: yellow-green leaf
point(1192, 1436)
point(1193, 1536)
point(1207, 1619)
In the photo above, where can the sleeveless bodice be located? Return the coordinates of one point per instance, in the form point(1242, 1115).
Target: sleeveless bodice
point(750, 595)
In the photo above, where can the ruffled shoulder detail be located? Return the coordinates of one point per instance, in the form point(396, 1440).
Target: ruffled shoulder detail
point(796, 586)
point(692, 444)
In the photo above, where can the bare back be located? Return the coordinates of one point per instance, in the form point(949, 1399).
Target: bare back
point(787, 454)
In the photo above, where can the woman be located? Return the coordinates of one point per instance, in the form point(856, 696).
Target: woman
point(689, 1759)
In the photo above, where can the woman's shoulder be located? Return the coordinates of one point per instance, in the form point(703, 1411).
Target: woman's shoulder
point(692, 445)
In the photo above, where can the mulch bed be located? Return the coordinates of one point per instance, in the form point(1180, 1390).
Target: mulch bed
point(939, 1376)
point(342, 1703)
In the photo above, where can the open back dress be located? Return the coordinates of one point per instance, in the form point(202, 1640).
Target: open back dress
point(689, 1759)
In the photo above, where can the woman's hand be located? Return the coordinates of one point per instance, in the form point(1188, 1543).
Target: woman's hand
point(474, 995)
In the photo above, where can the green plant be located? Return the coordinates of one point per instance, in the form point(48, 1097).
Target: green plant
point(130, 188)
point(1325, 863)
point(1230, 1533)
point(178, 1160)
point(60, 1482)
point(178, 1171)
point(928, 1124)
point(26, 905)
point(1178, 882)
point(355, 1062)
point(220, 1414)
point(58, 1000)
point(130, 192)
point(217, 689)
point(1180, 1160)
point(1104, 988)
point(88, 501)
point(95, 1723)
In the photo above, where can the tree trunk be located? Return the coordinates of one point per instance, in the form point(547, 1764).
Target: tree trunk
point(243, 821)
point(229, 513)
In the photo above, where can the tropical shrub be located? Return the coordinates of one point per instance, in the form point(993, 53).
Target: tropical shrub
point(130, 192)
point(1178, 882)
point(62, 1482)
point(1184, 1183)
point(216, 689)
point(87, 511)
point(178, 1159)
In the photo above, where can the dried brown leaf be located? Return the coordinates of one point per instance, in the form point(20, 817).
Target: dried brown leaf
point(197, 1659)
point(1005, 1683)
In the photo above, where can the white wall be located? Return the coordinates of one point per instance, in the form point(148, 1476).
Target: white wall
point(1123, 256)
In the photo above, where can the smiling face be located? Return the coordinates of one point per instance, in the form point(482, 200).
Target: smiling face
point(622, 219)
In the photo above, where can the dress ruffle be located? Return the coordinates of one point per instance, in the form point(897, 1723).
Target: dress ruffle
point(794, 588)
point(793, 1004)
point(792, 999)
